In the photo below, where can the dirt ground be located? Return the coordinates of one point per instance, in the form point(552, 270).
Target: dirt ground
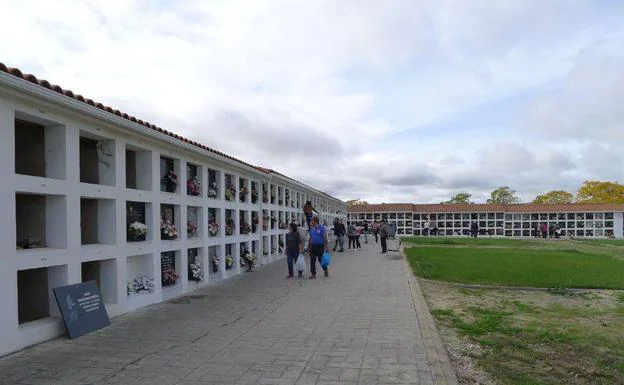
point(540, 337)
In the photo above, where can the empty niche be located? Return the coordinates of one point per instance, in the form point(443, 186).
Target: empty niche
point(41, 221)
point(97, 159)
point(40, 147)
point(104, 273)
point(35, 298)
point(97, 221)
point(138, 168)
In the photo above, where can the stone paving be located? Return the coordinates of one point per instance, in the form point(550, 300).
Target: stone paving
point(359, 326)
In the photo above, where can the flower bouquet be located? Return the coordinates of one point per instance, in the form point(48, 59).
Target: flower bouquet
point(213, 228)
point(242, 195)
point(230, 192)
point(273, 220)
point(282, 225)
point(169, 276)
point(143, 283)
point(245, 228)
point(229, 262)
point(213, 190)
point(272, 198)
point(191, 229)
point(168, 230)
point(265, 252)
point(248, 260)
point(195, 272)
point(279, 202)
point(254, 196)
point(170, 180)
point(193, 186)
point(229, 227)
point(280, 243)
point(265, 196)
point(215, 263)
point(137, 231)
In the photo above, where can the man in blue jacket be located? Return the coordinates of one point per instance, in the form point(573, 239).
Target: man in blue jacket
point(317, 245)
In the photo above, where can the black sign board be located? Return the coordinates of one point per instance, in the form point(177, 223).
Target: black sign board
point(82, 308)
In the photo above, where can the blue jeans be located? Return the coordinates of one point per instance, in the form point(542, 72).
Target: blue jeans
point(292, 259)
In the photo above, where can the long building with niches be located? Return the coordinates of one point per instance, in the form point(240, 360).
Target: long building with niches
point(93, 194)
point(515, 220)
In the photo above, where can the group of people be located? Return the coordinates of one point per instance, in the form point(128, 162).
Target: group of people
point(316, 238)
point(544, 231)
point(353, 231)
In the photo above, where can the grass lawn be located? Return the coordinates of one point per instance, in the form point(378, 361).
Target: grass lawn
point(518, 267)
point(527, 337)
point(531, 338)
point(467, 241)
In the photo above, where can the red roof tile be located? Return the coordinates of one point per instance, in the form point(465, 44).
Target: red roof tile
point(68, 93)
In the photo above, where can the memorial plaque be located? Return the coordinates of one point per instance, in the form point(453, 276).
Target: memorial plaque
point(82, 308)
point(167, 264)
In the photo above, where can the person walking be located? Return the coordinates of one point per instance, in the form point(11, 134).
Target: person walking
point(309, 211)
point(383, 235)
point(376, 227)
point(318, 244)
point(339, 232)
point(358, 232)
point(294, 247)
point(365, 231)
point(351, 234)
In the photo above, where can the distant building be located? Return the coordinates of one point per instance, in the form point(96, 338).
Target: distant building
point(517, 220)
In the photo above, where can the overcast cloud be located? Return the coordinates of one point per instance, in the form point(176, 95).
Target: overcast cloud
point(396, 100)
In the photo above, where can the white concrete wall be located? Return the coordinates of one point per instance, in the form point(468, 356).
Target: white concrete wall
point(65, 253)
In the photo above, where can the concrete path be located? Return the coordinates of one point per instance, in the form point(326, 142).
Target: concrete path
point(359, 326)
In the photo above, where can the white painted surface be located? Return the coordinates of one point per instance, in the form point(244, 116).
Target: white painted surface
point(65, 253)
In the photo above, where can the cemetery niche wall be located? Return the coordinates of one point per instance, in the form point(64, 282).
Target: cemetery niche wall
point(100, 196)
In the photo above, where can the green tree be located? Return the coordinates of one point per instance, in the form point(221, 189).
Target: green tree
point(554, 197)
point(462, 197)
point(503, 195)
point(355, 202)
point(600, 192)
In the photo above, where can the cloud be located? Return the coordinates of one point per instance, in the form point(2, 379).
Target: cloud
point(388, 101)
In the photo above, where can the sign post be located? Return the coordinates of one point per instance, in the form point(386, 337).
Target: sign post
point(82, 308)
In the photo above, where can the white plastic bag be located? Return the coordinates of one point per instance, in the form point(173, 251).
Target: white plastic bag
point(300, 265)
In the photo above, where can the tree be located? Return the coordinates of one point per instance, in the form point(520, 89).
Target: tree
point(503, 195)
point(356, 202)
point(462, 197)
point(554, 197)
point(600, 192)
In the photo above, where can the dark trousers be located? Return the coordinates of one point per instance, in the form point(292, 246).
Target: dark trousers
point(357, 242)
point(316, 253)
point(351, 241)
point(308, 219)
point(292, 258)
point(376, 236)
point(384, 244)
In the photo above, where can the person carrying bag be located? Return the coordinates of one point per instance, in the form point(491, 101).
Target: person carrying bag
point(294, 250)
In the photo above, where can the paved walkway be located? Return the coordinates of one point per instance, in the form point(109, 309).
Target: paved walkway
point(359, 326)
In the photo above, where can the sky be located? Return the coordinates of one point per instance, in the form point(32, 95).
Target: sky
point(384, 101)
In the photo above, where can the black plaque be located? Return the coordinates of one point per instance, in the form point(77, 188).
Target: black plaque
point(82, 308)
point(167, 262)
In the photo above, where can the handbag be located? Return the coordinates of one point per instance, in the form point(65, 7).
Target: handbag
point(300, 264)
point(325, 260)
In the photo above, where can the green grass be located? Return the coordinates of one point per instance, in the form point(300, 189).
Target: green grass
point(518, 267)
point(609, 242)
point(525, 344)
point(467, 241)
